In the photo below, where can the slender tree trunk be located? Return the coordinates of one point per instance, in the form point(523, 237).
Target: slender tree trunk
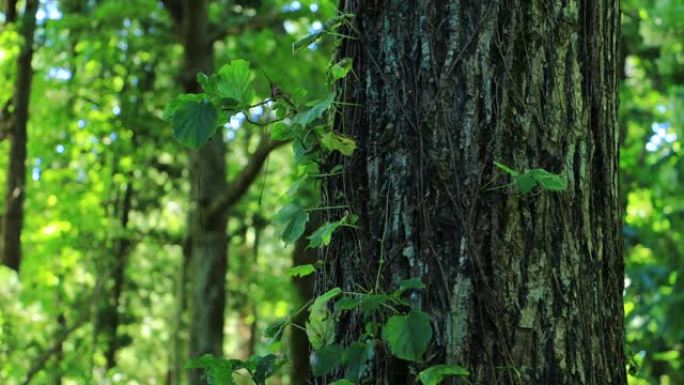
point(10, 11)
point(179, 325)
point(122, 247)
point(208, 238)
point(16, 174)
point(521, 288)
point(212, 195)
point(304, 287)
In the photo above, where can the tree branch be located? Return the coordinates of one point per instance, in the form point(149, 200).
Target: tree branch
point(239, 186)
point(260, 21)
point(40, 361)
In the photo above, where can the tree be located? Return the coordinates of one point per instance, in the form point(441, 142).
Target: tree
point(523, 284)
point(13, 217)
point(211, 195)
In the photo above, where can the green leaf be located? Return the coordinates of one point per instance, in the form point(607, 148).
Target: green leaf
point(320, 330)
point(525, 182)
point(507, 169)
point(323, 235)
point(301, 270)
point(322, 300)
point(217, 370)
point(547, 180)
point(408, 336)
point(347, 303)
point(409, 284)
point(234, 84)
point(296, 185)
point(307, 40)
point(294, 219)
point(355, 358)
point(436, 374)
point(263, 367)
point(321, 326)
point(281, 131)
point(317, 109)
point(174, 104)
point(343, 381)
point(366, 302)
point(194, 121)
point(208, 84)
point(372, 302)
point(326, 359)
point(274, 331)
point(341, 69)
point(344, 144)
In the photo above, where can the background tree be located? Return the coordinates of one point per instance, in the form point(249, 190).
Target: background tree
point(524, 285)
point(18, 115)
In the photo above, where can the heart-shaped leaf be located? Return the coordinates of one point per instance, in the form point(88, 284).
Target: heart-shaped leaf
point(408, 336)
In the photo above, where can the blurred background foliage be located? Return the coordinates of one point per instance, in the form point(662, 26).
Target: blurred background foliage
point(652, 118)
point(104, 69)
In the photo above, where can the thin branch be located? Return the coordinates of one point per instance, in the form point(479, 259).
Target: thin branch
point(41, 361)
point(258, 22)
point(239, 186)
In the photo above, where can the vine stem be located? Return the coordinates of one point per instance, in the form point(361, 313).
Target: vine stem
point(382, 243)
point(327, 208)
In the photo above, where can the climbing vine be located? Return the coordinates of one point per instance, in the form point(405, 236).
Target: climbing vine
point(393, 324)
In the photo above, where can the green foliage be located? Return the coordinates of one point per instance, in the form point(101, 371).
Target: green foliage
point(194, 120)
point(233, 85)
point(314, 111)
point(409, 284)
point(527, 180)
point(408, 336)
point(274, 331)
point(343, 381)
point(301, 270)
point(341, 69)
point(436, 374)
point(325, 359)
point(323, 235)
point(321, 326)
point(336, 142)
point(108, 67)
point(328, 27)
point(356, 357)
point(294, 219)
point(219, 371)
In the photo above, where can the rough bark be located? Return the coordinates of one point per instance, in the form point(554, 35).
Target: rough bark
point(521, 289)
point(16, 173)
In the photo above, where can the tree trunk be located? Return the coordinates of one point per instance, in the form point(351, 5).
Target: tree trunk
point(208, 238)
point(521, 288)
point(122, 247)
point(16, 174)
point(10, 11)
point(212, 195)
point(304, 287)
